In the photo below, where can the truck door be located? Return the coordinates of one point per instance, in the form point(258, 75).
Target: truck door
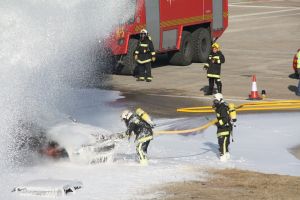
point(218, 23)
point(153, 21)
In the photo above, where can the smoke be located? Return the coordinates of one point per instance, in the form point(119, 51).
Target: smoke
point(47, 48)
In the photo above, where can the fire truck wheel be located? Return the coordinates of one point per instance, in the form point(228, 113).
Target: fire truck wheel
point(129, 63)
point(184, 56)
point(201, 42)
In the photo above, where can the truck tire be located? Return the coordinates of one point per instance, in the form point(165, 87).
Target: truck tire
point(129, 64)
point(201, 42)
point(184, 56)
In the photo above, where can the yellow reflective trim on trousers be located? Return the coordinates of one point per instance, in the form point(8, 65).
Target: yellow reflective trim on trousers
point(144, 61)
point(141, 153)
point(224, 145)
point(221, 122)
point(144, 45)
point(223, 133)
point(213, 76)
point(145, 139)
point(153, 53)
point(136, 52)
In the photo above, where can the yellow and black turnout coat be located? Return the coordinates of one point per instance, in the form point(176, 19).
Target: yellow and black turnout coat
point(145, 51)
point(223, 117)
point(214, 62)
point(139, 127)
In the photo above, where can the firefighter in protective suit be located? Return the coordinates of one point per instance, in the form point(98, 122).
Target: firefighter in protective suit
point(141, 126)
point(226, 116)
point(144, 55)
point(213, 67)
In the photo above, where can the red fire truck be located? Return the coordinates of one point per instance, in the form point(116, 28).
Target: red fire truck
point(185, 29)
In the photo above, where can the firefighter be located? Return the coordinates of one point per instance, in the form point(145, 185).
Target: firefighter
point(144, 55)
point(296, 63)
point(213, 67)
point(224, 125)
point(142, 130)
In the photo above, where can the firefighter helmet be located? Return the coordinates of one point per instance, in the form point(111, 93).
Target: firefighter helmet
point(215, 45)
point(126, 114)
point(218, 97)
point(144, 31)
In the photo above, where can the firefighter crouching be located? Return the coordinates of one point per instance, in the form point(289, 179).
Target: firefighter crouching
point(226, 116)
point(144, 55)
point(141, 125)
point(213, 67)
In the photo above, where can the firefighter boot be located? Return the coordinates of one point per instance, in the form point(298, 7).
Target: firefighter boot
point(144, 162)
point(227, 155)
point(149, 79)
point(141, 78)
point(223, 158)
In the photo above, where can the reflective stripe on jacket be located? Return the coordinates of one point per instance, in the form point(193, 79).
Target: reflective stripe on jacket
point(145, 51)
point(214, 69)
point(139, 127)
point(222, 113)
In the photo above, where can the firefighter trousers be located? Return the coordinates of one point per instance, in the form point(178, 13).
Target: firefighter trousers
point(211, 82)
point(144, 71)
point(224, 141)
point(142, 146)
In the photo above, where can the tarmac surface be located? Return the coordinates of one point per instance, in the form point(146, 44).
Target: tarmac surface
point(261, 40)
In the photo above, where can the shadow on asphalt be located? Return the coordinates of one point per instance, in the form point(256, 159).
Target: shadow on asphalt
point(212, 147)
point(294, 76)
point(293, 88)
point(204, 89)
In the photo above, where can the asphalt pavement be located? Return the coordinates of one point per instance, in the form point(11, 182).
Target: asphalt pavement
point(261, 40)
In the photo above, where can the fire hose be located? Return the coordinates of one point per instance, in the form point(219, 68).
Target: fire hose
point(253, 106)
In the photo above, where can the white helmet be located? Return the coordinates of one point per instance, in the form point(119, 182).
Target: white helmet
point(144, 31)
point(218, 97)
point(126, 114)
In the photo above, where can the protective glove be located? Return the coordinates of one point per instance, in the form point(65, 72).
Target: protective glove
point(206, 66)
point(153, 59)
point(216, 60)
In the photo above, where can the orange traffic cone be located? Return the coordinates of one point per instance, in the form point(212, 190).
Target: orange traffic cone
point(254, 93)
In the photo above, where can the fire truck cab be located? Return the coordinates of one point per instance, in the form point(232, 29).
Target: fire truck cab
point(184, 29)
